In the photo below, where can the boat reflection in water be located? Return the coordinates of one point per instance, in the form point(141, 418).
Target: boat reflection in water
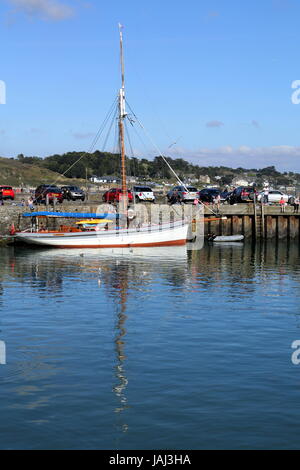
point(118, 271)
point(116, 312)
point(47, 270)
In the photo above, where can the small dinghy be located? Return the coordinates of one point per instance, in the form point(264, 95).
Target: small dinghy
point(226, 238)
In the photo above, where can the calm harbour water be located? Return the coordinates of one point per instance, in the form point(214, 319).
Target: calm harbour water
point(159, 349)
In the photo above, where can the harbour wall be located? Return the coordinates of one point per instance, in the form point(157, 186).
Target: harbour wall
point(254, 222)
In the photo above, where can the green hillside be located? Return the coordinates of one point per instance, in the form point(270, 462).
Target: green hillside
point(32, 171)
point(18, 174)
point(83, 164)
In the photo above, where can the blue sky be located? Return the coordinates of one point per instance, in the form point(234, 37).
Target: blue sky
point(213, 76)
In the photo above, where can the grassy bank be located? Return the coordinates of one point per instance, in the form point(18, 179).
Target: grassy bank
point(17, 174)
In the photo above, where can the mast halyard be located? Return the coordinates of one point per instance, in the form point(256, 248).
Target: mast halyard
point(122, 116)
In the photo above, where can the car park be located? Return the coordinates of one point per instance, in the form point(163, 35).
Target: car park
point(143, 194)
point(7, 192)
point(48, 192)
point(183, 193)
point(243, 194)
point(274, 196)
point(72, 193)
point(114, 195)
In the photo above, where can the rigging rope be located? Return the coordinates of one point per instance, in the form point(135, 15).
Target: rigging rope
point(157, 148)
point(109, 129)
point(131, 148)
point(94, 142)
point(162, 156)
point(112, 115)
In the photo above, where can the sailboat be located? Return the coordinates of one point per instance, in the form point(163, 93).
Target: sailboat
point(117, 235)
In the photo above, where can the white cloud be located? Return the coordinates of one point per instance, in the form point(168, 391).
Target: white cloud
point(214, 124)
point(255, 124)
point(47, 9)
point(83, 135)
point(35, 130)
point(213, 14)
point(284, 157)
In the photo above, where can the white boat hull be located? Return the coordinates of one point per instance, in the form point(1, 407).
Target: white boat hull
point(146, 236)
point(228, 238)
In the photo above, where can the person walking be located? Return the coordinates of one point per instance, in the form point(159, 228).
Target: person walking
point(282, 204)
point(175, 198)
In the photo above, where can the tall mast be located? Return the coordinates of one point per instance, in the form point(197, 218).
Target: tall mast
point(122, 115)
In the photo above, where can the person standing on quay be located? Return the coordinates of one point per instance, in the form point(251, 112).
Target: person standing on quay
point(282, 204)
point(217, 201)
point(296, 205)
point(266, 196)
point(30, 203)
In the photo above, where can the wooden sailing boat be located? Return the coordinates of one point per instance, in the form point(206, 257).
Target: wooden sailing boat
point(168, 234)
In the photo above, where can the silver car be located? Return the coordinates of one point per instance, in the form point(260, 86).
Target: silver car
point(185, 194)
point(273, 196)
point(72, 193)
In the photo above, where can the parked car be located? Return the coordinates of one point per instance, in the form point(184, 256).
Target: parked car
point(275, 196)
point(72, 193)
point(242, 194)
point(114, 195)
point(143, 193)
point(208, 194)
point(7, 192)
point(185, 194)
point(225, 196)
point(47, 191)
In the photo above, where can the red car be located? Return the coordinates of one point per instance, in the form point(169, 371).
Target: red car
point(243, 194)
point(7, 192)
point(114, 195)
point(47, 191)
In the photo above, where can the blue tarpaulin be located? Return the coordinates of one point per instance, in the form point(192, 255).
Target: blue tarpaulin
point(73, 215)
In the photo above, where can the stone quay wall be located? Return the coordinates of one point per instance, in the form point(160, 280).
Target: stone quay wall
point(254, 222)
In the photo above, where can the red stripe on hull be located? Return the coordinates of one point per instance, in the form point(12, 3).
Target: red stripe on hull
point(130, 245)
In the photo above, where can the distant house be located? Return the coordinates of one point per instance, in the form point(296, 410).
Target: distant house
point(104, 179)
point(240, 182)
point(131, 179)
point(290, 189)
point(191, 178)
point(204, 179)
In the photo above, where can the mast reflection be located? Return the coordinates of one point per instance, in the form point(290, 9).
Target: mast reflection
point(119, 277)
point(2, 353)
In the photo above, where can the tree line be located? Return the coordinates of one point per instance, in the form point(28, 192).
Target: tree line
point(84, 165)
